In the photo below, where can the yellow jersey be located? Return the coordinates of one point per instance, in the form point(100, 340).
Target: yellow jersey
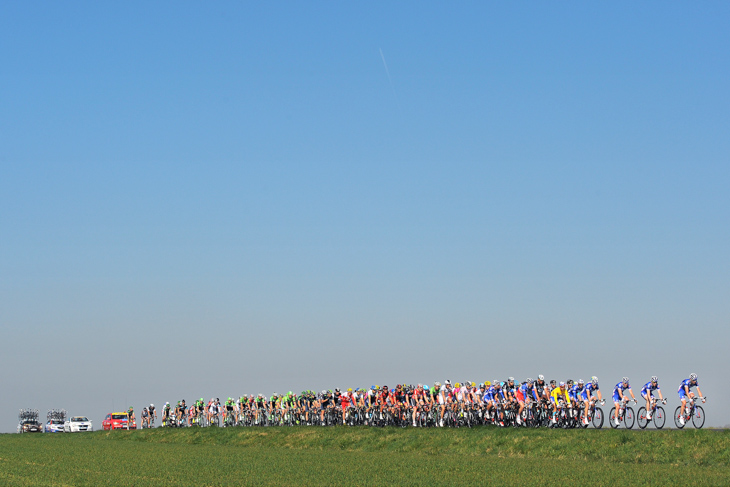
point(562, 394)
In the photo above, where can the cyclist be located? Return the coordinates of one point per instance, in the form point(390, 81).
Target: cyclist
point(620, 397)
point(145, 418)
point(574, 393)
point(324, 402)
point(166, 414)
point(200, 409)
point(525, 395)
point(260, 403)
point(229, 415)
point(686, 393)
point(180, 412)
point(542, 389)
point(416, 400)
point(558, 397)
point(153, 415)
point(130, 417)
point(647, 393)
point(588, 397)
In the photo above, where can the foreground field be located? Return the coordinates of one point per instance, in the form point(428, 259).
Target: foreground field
point(366, 456)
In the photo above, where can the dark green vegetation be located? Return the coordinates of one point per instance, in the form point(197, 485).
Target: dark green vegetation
point(366, 456)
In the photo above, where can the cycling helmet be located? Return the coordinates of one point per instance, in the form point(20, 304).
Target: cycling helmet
point(447, 382)
point(457, 385)
point(580, 382)
point(562, 384)
point(473, 384)
point(437, 384)
point(488, 383)
point(570, 382)
point(552, 382)
point(392, 391)
point(425, 388)
point(540, 377)
point(372, 388)
point(529, 381)
point(511, 379)
point(625, 380)
point(495, 382)
point(692, 376)
point(324, 392)
point(502, 384)
point(337, 389)
point(350, 389)
point(654, 378)
point(594, 380)
point(152, 405)
point(275, 394)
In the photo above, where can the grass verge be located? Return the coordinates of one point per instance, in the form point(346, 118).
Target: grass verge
point(366, 456)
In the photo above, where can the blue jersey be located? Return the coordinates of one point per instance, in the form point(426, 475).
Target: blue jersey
point(688, 383)
point(586, 392)
point(574, 391)
point(619, 387)
point(649, 388)
point(526, 390)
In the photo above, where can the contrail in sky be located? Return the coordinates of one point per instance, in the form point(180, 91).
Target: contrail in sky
point(392, 87)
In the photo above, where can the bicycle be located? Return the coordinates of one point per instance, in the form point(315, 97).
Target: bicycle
point(691, 411)
point(657, 413)
point(595, 415)
point(625, 416)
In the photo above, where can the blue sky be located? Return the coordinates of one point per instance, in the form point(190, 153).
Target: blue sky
point(525, 189)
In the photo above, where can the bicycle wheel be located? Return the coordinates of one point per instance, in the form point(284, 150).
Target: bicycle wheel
point(629, 418)
point(677, 415)
point(659, 418)
point(641, 419)
point(597, 418)
point(698, 418)
point(612, 418)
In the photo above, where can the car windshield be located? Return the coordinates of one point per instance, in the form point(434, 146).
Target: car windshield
point(79, 418)
point(56, 421)
point(119, 416)
point(30, 421)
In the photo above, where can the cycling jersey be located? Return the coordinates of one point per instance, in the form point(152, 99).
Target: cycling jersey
point(586, 393)
point(689, 385)
point(619, 387)
point(527, 390)
point(575, 391)
point(649, 388)
point(559, 394)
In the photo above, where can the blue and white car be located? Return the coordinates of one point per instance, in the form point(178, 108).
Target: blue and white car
point(53, 426)
point(78, 423)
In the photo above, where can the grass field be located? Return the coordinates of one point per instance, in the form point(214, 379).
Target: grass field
point(366, 456)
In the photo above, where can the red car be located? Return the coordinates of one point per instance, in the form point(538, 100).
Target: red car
point(118, 421)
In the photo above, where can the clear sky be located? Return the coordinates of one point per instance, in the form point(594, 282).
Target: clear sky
point(243, 197)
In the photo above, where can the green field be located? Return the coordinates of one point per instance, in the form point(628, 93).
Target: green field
point(366, 456)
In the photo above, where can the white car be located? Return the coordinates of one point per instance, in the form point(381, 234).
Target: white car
point(78, 423)
point(54, 426)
